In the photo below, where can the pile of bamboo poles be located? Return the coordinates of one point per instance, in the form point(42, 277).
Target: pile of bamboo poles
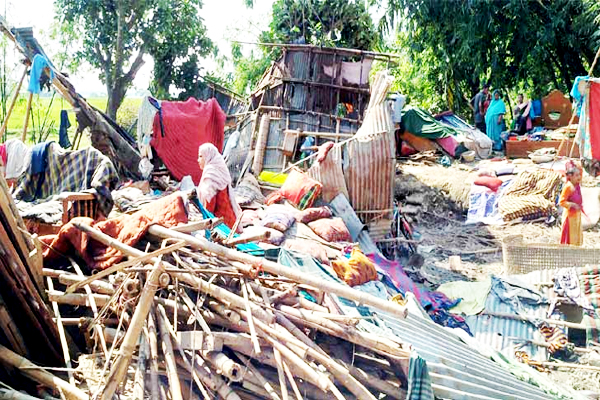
point(189, 318)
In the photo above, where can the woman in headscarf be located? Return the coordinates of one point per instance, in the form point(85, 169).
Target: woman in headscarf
point(214, 191)
point(494, 119)
point(571, 201)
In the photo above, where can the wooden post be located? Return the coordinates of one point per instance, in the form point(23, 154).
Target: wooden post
point(12, 104)
point(26, 121)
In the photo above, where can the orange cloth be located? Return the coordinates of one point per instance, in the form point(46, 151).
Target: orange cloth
point(128, 229)
point(356, 270)
point(221, 206)
point(571, 229)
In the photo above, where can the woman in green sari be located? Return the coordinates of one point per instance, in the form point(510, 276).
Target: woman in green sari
point(494, 119)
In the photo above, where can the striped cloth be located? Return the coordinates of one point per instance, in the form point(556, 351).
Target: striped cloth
point(589, 282)
point(71, 171)
point(554, 336)
point(419, 381)
point(531, 195)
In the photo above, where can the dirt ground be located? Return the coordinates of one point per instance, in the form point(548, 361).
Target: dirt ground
point(435, 201)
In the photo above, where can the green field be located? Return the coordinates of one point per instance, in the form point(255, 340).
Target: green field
point(44, 118)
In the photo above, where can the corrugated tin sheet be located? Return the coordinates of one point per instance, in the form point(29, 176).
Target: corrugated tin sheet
point(457, 370)
point(369, 176)
point(499, 333)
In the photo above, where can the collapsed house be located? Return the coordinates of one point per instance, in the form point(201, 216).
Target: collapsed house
point(171, 301)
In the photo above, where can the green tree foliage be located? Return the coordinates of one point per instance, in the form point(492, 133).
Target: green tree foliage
point(116, 34)
point(334, 23)
point(458, 45)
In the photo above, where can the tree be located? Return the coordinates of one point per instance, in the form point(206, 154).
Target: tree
point(116, 34)
point(332, 23)
point(530, 45)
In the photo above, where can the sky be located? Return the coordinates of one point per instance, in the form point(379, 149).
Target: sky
point(225, 20)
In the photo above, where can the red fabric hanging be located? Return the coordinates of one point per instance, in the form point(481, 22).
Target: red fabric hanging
point(187, 125)
point(594, 115)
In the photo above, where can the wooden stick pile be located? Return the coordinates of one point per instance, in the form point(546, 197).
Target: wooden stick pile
point(188, 323)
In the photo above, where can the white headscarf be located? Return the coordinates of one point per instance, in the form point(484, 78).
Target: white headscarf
point(18, 157)
point(215, 176)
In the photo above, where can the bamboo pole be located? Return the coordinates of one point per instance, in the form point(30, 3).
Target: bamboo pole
point(119, 368)
point(98, 286)
point(291, 273)
point(167, 349)
point(290, 377)
point(139, 387)
point(198, 225)
point(12, 103)
point(281, 374)
point(224, 365)
point(242, 239)
point(260, 377)
point(532, 319)
point(26, 121)
point(61, 334)
point(94, 308)
point(151, 334)
point(310, 349)
point(214, 381)
point(249, 317)
point(142, 257)
point(32, 371)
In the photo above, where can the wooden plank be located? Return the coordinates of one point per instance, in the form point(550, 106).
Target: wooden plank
point(16, 228)
point(521, 149)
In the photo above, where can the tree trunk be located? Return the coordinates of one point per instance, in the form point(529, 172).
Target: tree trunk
point(116, 94)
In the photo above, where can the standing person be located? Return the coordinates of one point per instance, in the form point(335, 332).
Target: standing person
point(572, 201)
point(494, 119)
point(214, 190)
point(478, 107)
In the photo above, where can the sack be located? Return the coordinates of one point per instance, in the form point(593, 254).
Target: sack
point(313, 214)
point(331, 229)
point(356, 270)
point(299, 188)
point(490, 182)
point(278, 217)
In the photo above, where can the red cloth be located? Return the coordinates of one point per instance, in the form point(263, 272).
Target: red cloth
point(128, 229)
point(595, 120)
point(449, 145)
point(3, 153)
point(220, 206)
point(490, 182)
point(187, 125)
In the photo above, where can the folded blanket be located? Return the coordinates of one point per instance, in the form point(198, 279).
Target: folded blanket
point(128, 229)
point(531, 195)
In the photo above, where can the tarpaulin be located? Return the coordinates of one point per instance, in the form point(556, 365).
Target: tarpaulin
point(187, 125)
point(420, 123)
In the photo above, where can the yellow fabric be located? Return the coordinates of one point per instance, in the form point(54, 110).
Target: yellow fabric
point(273, 178)
point(356, 270)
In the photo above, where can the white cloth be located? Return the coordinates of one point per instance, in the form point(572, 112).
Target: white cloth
point(232, 142)
point(18, 157)
point(146, 115)
point(215, 177)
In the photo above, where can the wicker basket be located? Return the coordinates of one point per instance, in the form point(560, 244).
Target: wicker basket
point(521, 258)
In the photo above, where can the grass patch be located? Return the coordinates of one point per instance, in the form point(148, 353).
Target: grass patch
point(44, 119)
